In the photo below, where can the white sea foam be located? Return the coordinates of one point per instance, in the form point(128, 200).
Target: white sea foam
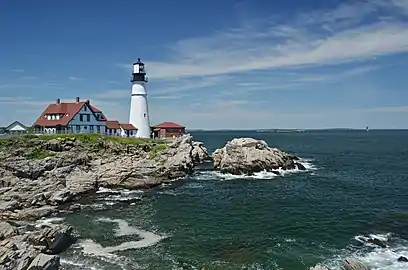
point(102, 190)
point(78, 265)
point(147, 239)
point(49, 222)
point(210, 175)
point(109, 197)
point(376, 257)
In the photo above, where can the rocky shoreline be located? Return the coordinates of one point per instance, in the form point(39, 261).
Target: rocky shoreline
point(45, 175)
point(49, 174)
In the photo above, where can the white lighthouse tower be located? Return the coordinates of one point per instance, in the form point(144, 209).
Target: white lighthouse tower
point(139, 111)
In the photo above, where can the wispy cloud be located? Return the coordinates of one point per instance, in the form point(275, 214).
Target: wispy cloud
point(325, 37)
point(18, 70)
point(41, 85)
point(167, 97)
point(186, 84)
point(28, 77)
point(387, 109)
point(73, 78)
point(113, 94)
point(23, 101)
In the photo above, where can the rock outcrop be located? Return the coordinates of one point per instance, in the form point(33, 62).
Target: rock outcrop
point(353, 264)
point(38, 175)
point(24, 247)
point(248, 155)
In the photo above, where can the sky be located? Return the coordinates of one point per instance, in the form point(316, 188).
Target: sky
point(230, 64)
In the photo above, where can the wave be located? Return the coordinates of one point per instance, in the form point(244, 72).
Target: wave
point(211, 175)
point(374, 256)
point(109, 197)
point(48, 222)
point(148, 239)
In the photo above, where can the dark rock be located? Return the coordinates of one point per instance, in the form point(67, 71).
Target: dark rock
point(403, 259)
point(54, 145)
point(300, 166)
point(377, 242)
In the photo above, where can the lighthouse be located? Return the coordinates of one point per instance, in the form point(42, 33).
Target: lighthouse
point(139, 111)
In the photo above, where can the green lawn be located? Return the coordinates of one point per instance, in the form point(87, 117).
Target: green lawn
point(93, 138)
point(33, 143)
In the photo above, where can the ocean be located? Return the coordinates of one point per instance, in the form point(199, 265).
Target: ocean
point(355, 186)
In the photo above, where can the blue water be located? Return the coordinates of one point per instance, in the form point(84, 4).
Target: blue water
point(356, 185)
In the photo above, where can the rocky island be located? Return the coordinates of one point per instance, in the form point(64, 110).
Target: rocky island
point(248, 156)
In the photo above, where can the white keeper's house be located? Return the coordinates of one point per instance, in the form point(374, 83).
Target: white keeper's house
point(79, 117)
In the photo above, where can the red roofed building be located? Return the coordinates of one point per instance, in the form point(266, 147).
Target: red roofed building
point(169, 130)
point(117, 129)
point(112, 127)
point(128, 130)
point(71, 117)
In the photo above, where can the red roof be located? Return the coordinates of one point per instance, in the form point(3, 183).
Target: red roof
point(165, 125)
point(67, 111)
point(128, 127)
point(113, 124)
point(94, 109)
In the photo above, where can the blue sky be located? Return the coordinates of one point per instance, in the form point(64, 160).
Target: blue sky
point(211, 64)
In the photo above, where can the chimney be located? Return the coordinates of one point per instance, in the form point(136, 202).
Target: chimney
point(88, 102)
point(77, 99)
point(58, 101)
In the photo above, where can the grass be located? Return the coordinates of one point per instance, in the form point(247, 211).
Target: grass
point(39, 154)
point(156, 149)
point(95, 138)
point(92, 140)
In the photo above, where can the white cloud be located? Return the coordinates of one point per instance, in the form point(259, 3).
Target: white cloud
point(113, 94)
point(73, 78)
point(386, 109)
point(22, 101)
point(18, 70)
point(302, 40)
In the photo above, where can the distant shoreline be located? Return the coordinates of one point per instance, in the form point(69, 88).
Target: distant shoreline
point(291, 130)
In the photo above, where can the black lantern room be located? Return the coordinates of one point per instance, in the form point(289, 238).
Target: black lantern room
point(139, 72)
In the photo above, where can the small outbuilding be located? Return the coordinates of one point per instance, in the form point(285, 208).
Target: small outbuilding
point(128, 130)
point(15, 128)
point(113, 128)
point(168, 130)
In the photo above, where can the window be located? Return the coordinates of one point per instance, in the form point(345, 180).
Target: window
point(78, 129)
point(81, 117)
point(91, 128)
point(88, 118)
point(85, 108)
point(98, 129)
point(144, 115)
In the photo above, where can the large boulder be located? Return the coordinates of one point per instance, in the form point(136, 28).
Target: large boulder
point(177, 160)
point(22, 247)
point(45, 262)
point(353, 264)
point(248, 155)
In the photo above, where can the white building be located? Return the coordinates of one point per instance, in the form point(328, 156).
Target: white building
point(15, 128)
point(139, 111)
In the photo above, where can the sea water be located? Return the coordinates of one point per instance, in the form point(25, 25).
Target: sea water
point(355, 186)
